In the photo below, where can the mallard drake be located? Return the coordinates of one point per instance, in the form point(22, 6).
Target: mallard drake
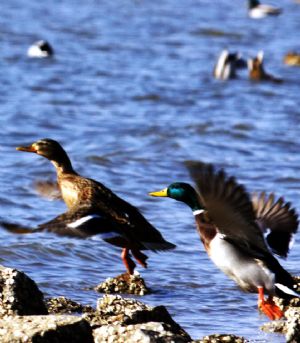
point(40, 49)
point(231, 225)
point(227, 64)
point(93, 209)
point(257, 71)
point(256, 10)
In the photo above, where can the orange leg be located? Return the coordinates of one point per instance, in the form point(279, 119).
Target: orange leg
point(268, 307)
point(129, 264)
point(140, 257)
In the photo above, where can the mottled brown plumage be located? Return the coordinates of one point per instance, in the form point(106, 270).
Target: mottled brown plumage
point(93, 209)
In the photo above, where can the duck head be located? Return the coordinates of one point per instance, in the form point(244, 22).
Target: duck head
point(253, 3)
point(51, 150)
point(181, 191)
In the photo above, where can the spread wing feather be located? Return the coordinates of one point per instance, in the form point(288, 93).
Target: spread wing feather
point(88, 221)
point(229, 206)
point(277, 220)
point(79, 223)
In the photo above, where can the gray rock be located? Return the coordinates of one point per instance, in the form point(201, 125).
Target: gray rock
point(276, 326)
point(122, 310)
point(63, 305)
point(221, 338)
point(293, 325)
point(19, 294)
point(139, 333)
point(45, 329)
point(124, 284)
point(117, 315)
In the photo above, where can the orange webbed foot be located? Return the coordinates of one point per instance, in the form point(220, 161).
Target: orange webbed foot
point(268, 307)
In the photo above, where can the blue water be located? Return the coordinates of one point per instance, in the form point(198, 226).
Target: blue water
point(130, 95)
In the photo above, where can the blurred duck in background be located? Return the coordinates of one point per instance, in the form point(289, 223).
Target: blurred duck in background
point(40, 49)
point(256, 10)
point(256, 69)
point(227, 64)
point(292, 58)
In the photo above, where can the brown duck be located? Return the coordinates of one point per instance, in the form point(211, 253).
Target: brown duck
point(93, 209)
point(257, 71)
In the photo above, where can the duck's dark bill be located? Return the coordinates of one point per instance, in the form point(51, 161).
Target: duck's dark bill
point(29, 148)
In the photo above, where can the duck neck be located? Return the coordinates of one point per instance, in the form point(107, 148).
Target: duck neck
point(197, 208)
point(63, 165)
point(194, 203)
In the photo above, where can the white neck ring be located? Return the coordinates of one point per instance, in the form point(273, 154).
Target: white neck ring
point(196, 212)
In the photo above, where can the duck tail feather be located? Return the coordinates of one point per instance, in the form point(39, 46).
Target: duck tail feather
point(16, 228)
point(155, 246)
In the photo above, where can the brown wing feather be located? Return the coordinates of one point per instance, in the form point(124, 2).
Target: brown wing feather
point(48, 189)
point(60, 225)
point(131, 221)
point(118, 213)
point(279, 218)
point(229, 206)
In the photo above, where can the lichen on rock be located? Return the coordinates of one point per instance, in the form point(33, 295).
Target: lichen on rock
point(63, 305)
point(19, 295)
point(45, 328)
point(138, 333)
point(124, 284)
point(221, 338)
point(116, 315)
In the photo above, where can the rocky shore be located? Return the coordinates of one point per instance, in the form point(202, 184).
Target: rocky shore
point(25, 316)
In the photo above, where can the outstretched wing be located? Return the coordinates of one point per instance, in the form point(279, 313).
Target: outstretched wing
point(48, 189)
point(277, 220)
point(88, 221)
point(229, 206)
point(83, 222)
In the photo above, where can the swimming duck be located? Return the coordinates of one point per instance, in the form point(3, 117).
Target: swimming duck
point(40, 49)
point(93, 209)
point(292, 58)
point(227, 64)
point(257, 71)
point(231, 227)
point(256, 10)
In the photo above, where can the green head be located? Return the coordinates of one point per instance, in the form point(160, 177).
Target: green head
point(183, 192)
point(253, 3)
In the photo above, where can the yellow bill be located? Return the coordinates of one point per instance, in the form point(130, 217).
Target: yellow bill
point(162, 193)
